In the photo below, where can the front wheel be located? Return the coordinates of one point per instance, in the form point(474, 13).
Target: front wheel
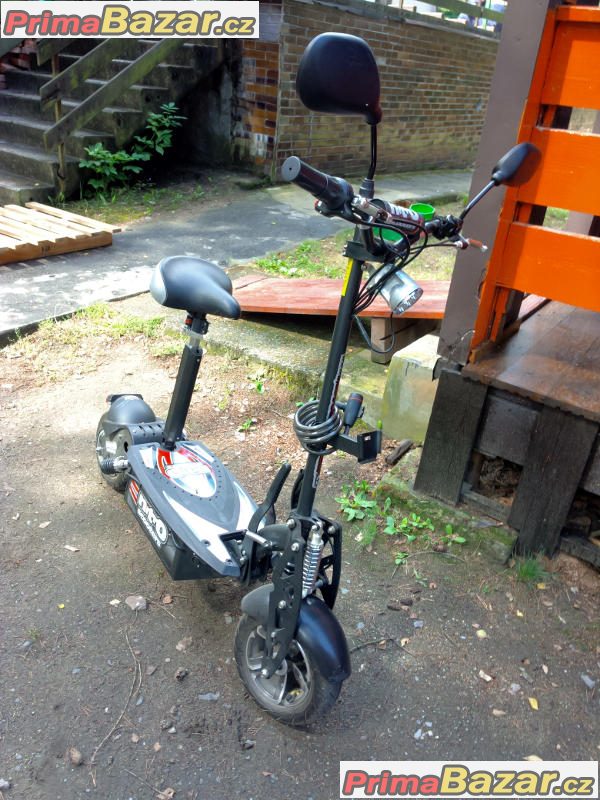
point(297, 693)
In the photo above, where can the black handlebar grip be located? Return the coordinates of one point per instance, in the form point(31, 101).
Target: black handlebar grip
point(334, 192)
point(353, 407)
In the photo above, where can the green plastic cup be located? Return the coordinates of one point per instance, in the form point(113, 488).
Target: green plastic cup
point(424, 209)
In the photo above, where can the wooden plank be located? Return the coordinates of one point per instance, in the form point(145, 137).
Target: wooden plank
point(452, 430)
point(581, 548)
point(37, 221)
point(558, 452)
point(558, 366)
point(31, 226)
point(247, 280)
point(46, 48)
point(578, 14)
point(8, 227)
point(41, 250)
point(6, 45)
point(569, 174)
point(110, 91)
point(572, 78)
point(591, 477)
point(85, 67)
point(51, 222)
point(23, 231)
point(556, 264)
point(9, 242)
point(68, 215)
point(506, 427)
point(321, 297)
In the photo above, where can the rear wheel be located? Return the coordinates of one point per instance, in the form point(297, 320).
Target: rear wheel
point(112, 447)
point(297, 693)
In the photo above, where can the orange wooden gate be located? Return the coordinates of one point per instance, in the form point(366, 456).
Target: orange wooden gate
point(527, 256)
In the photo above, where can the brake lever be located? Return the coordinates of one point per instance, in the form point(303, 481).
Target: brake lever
point(461, 243)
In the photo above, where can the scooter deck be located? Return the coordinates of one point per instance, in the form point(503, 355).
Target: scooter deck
point(185, 501)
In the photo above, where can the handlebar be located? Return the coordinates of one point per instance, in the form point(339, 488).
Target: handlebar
point(333, 192)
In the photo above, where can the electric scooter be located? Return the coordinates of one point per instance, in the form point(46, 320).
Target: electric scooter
point(290, 649)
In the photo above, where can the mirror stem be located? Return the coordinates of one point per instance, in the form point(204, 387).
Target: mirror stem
point(477, 198)
point(373, 165)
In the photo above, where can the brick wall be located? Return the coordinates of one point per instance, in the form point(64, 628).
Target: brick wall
point(435, 86)
point(255, 104)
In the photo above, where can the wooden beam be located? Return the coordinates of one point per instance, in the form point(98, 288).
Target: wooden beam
point(110, 92)
point(453, 426)
point(85, 67)
point(559, 449)
point(569, 174)
point(555, 264)
point(46, 48)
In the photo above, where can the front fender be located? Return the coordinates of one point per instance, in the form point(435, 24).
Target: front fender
point(318, 631)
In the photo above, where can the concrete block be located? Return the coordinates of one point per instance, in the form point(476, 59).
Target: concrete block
point(410, 390)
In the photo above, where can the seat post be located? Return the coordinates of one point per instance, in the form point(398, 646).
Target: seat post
point(186, 381)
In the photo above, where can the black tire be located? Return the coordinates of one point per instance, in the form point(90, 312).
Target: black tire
point(298, 694)
point(120, 443)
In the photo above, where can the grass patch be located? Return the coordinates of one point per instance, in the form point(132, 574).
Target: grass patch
point(135, 202)
point(323, 258)
point(530, 570)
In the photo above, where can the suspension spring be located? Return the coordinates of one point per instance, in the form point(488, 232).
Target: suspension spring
point(312, 561)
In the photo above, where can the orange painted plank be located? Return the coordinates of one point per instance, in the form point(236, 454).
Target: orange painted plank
point(321, 297)
point(569, 175)
point(561, 266)
point(578, 14)
point(573, 77)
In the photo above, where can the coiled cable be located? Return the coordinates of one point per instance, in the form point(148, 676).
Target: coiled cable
point(315, 437)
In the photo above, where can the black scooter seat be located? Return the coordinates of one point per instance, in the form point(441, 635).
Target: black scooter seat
point(194, 285)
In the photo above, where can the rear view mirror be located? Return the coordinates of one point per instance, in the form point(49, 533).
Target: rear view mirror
point(338, 75)
point(517, 166)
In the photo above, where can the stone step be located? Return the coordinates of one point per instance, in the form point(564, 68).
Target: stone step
point(120, 122)
point(29, 131)
point(36, 163)
point(141, 97)
point(20, 189)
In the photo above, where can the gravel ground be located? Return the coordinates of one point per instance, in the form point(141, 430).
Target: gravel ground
point(88, 680)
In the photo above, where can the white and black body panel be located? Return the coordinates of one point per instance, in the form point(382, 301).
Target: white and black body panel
point(185, 501)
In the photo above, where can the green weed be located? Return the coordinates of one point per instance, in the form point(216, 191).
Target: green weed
point(530, 570)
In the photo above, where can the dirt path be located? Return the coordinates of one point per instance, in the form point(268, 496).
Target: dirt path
point(70, 660)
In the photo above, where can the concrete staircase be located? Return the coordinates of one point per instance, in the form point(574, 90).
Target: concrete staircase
point(28, 171)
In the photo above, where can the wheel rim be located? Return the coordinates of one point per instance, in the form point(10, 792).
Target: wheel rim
point(291, 684)
point(117, 447)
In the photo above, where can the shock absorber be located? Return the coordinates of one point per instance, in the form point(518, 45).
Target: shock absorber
point(312, 560)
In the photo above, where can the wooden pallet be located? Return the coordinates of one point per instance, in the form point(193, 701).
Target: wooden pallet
point(36, 231)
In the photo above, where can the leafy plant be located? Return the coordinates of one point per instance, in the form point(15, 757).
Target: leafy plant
point(160, 126)
point(450, 537)
point(356, 502)
point(111, 169)
point(246, 425)
point(116, 169)
point(400, 558)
